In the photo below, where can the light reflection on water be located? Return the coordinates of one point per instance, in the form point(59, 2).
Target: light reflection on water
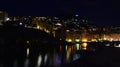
point(39, 61)
point(42, 56)
point(58, 55)
point(26, 63)
point(45, 56)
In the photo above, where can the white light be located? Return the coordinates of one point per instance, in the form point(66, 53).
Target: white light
point(20, 23)
point(67, 30)
point(66, 47)
point(76, 15)
point(39, 61)
point(7, 19)
point(59, 24)
point(118, 45)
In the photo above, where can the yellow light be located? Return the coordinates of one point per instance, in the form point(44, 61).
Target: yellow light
point(68, 53)
point(55, 28)
point(47, 31)
point(84, 40)
point(105, 38)
point(27, 52)
point(69, 40)
point(94, 40)
point(38, 27)
point(41, 28)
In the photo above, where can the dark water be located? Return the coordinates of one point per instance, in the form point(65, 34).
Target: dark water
point(23, 49)
point(30, 54)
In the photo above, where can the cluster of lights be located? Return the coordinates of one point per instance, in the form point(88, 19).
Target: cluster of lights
point(77, 40)
point(69, 40)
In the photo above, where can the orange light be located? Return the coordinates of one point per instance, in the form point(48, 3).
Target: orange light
point(84, 45)
point(84, 40)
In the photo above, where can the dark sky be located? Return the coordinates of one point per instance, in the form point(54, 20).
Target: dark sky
point(106, 12)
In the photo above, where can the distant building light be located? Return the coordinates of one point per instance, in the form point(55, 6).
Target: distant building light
point(20, 23)
point(38, 27)
point(7, 19)
point(84, 40)
point(69, 40)
point(27, 42)
point(59, 24)
point(77, 40)
point(111, 39)
point(76, 15)
point(67, 30)
point(94, 29)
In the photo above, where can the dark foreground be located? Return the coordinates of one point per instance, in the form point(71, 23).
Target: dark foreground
point(108, 57)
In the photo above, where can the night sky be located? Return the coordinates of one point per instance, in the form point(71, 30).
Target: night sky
point(104, 12)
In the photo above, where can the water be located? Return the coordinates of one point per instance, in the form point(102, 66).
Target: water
point(30, 54)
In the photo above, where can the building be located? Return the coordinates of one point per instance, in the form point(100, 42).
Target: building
point(3, 17)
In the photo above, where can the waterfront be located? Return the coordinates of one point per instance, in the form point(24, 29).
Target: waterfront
point(58, 56)
point(37, 56)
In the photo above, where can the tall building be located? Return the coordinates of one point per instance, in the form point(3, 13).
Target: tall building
point(3, 16)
